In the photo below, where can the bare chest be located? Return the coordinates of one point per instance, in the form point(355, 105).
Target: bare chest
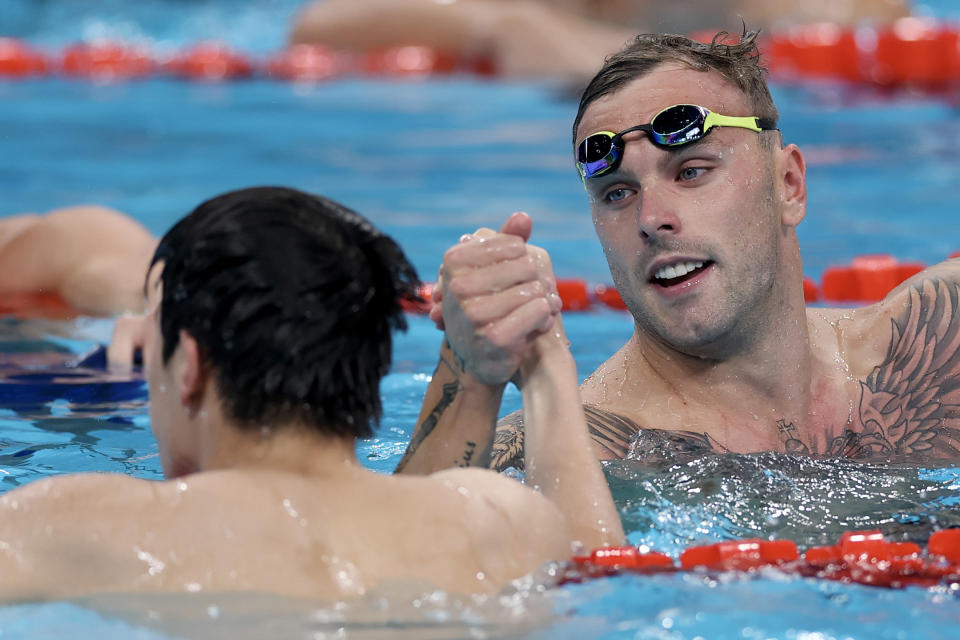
point(817, 422)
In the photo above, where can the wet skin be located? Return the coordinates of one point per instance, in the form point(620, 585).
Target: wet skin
point(727, 358)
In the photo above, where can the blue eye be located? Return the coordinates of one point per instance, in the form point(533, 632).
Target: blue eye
point(691, 173)
point(616, 195)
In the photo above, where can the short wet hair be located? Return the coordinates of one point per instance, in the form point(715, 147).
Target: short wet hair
point(291, 298)
point(738, 63)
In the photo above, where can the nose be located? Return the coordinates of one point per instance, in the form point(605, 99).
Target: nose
point(656, 214)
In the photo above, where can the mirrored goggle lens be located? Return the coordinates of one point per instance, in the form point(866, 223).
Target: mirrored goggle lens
point(678, 125)
point(594, 148)
point(676, 119)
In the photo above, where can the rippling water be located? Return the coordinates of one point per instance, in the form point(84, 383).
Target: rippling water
point(771, 495)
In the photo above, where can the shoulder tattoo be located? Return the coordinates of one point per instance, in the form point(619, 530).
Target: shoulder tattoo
point(910, 403)
point(507, 450)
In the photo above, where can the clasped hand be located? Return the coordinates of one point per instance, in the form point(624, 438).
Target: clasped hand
point(495, 295)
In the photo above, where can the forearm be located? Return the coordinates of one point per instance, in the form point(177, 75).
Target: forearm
point(559, 455)
point(456, 424)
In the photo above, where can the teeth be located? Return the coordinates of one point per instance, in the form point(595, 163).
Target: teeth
point(677, 270)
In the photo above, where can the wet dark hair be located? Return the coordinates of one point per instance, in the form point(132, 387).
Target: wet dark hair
point(738, 63)
point(291, 298)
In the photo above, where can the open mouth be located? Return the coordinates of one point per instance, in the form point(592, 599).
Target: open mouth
point(679, 273)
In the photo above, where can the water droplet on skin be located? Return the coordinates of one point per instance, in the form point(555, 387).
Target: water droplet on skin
point(481, 575)
point(213, 612)
point(288, 507)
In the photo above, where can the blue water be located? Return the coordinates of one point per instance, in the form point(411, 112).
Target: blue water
point(428, 161)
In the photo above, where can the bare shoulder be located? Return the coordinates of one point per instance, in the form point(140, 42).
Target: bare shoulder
point(924, 308)
point(514, 501)
point(905, 354)
point(503, 508)
point(80, 492)
point(484, 483)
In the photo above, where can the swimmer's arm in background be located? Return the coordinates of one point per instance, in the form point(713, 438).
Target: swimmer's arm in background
point(126, 342)
point(494, 296)
point(93, 257)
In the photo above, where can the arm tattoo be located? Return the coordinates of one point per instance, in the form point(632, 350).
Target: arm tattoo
point(508, 443)
point(910, 403)
point(467, 455)
point(449, 393)
point(619, 436)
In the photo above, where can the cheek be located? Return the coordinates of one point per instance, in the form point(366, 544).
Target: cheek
point(615, 230)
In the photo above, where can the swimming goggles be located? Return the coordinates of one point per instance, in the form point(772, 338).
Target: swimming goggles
point(675, 126)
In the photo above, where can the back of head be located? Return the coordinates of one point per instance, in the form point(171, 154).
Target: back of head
point(738, 63)
point(291, 298)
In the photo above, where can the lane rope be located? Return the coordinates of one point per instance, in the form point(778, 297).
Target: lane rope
point(916, 52)
point(862, 557)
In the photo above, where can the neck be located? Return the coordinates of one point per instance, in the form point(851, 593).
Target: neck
point(293, 448)
point(766, 366)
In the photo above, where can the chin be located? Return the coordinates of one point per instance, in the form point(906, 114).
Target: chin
point(707, 337)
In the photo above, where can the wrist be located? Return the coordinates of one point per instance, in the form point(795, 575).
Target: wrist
point(467, 381)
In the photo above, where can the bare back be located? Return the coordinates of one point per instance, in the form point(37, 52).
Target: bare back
point(265, 530)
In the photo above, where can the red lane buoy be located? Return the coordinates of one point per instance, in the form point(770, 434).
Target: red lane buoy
point(811, 293)
point(425, 291)
point(609, 296)
point(946, 543)
point(307, 63)
point(18, 60)
point(34, 304)
point(573, 294)
point(916, 51)
point(822, 50)
point(210, 61)
point(868, 278)
point(410, 60)
point(628, 557)
point(739, 555)
point(864, 557)
point(107, 61)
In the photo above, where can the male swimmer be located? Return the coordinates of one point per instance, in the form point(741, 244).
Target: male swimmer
point(269, 329)
point(90, 257)
point(696, 200)
point(566, 38)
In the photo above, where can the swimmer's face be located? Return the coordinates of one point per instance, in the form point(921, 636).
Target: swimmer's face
point(693, 236)
point(168, 416)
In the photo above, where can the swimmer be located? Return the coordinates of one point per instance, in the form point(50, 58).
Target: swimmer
point(564, 38)
point(269, 330)
point(698, 226)
point(91, 257)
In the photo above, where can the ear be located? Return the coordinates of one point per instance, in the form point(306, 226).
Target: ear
point(192, 381)
point(793, 177)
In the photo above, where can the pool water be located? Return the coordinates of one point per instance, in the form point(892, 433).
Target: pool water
point(428, 161)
